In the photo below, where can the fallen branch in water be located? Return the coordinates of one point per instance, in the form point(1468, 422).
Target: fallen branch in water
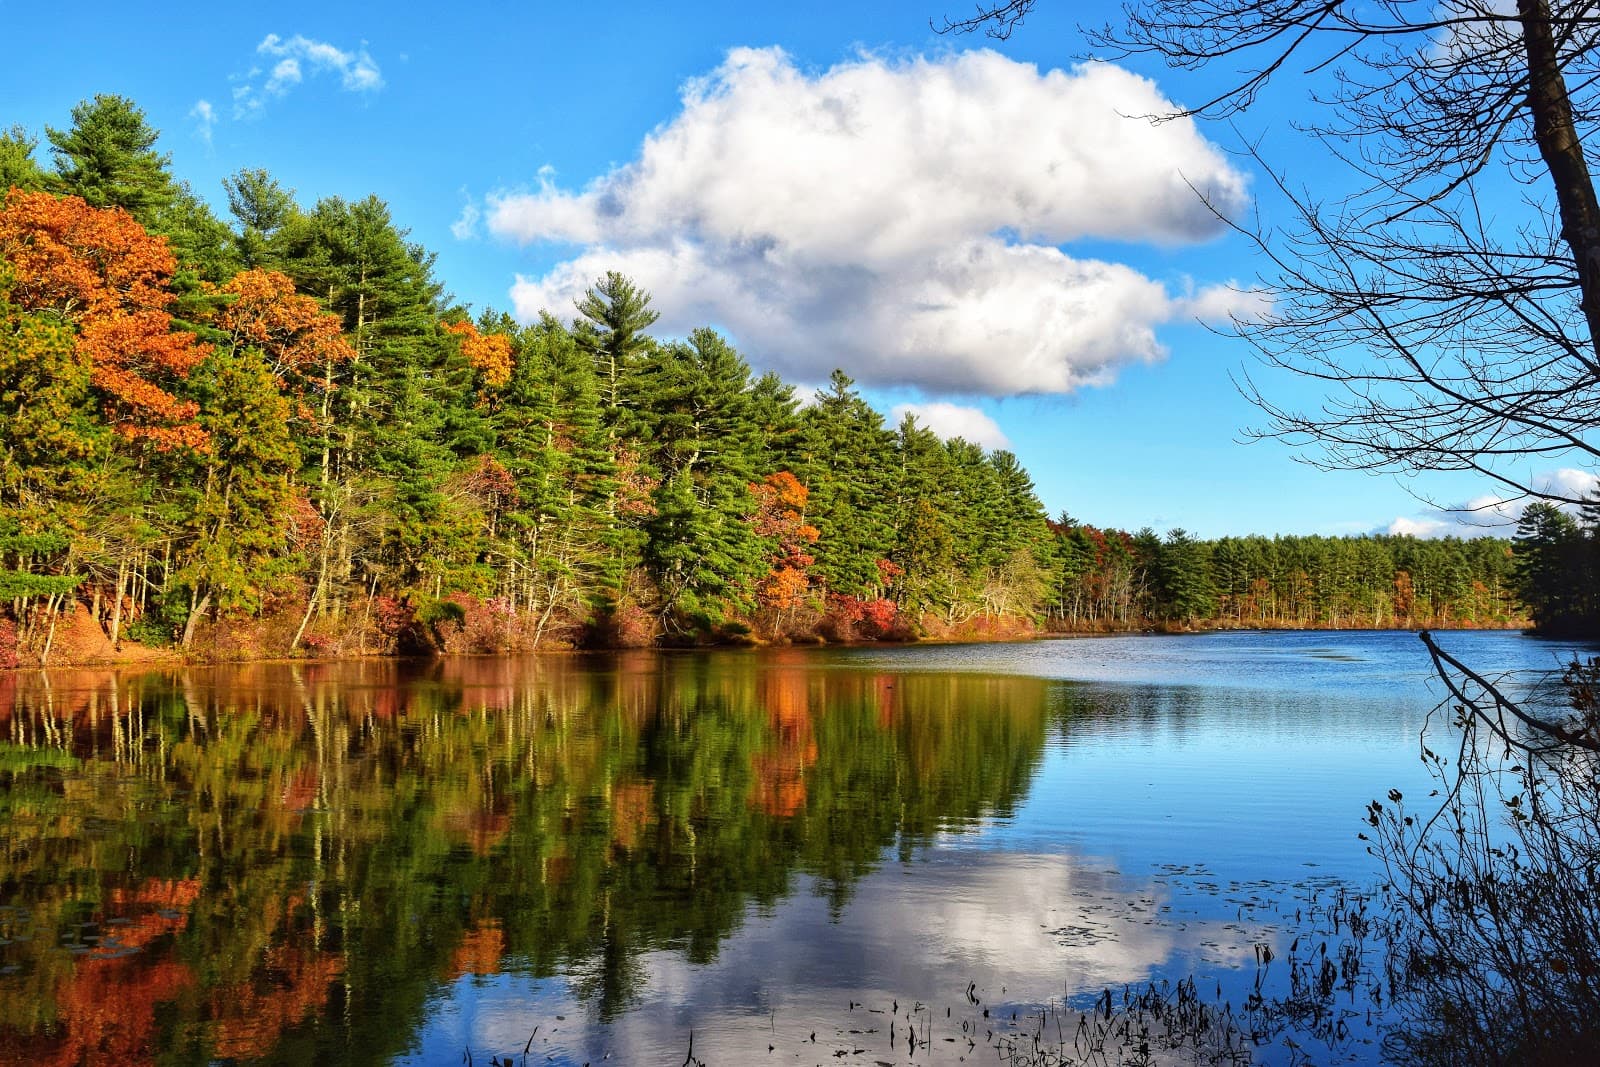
point(1502, 706)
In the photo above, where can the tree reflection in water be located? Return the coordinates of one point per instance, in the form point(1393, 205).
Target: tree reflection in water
point(286, 861)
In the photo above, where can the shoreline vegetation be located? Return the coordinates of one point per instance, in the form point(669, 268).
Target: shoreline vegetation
point(278, 436)
point(72, 654)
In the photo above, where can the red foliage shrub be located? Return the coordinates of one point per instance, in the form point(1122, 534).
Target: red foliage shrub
point(391, 616)
point(634, 627)
point(878, 616)
point(853, 618)
point(485, 626)
point(318, 646)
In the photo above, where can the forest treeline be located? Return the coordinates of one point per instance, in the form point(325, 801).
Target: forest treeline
point(1113, 579)
point(277, 434)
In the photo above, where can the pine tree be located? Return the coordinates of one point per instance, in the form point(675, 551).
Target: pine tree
point(18, 168)
point(1552, 568)
point(108, 157)
point(394, 408)
point(263, 210)
point(698, 425)
point(200, 241)
point(924, 549)
point(548, 437)
point(50, 448)
point(239, 518)
point(846, 462)
point(612, 317)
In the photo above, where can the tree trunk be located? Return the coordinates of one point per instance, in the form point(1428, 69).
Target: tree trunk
point(1562, 152)
point(50, 639)
point(316, 594)
point(195, 614)
point(116, 609)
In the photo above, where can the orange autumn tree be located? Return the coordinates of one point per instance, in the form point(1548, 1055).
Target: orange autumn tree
point(99, 271)
point(488, 353)
point(780, 519)
point(293, 333)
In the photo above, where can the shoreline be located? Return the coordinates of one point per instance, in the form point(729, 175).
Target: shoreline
point(133, 656)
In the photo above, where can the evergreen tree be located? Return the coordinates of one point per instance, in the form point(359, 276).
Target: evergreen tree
point(924, 549)
point(49, 448)
point(612, 318)
point(1552, 571)
point(18, 168)
point(238, 521)
point(846, 461)
point(108, 157)
point(698, 427)
point(262, 209)
point(777, 421)
point(548, 436)
point(200, 241)
point(1183, 578)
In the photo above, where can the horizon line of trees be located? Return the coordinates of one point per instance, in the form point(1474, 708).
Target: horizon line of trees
point(278, 435)
point(1110, 579)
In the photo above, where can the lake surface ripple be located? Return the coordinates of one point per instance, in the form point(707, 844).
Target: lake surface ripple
point(796, 856)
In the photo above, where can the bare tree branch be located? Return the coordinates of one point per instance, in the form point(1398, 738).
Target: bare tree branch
point(1492, 707)
point(1449, 300)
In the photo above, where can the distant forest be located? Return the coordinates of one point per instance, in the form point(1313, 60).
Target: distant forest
point(1111, 579)
point(277, 435)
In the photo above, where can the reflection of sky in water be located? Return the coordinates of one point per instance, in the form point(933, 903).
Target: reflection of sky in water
point(1193, 793)
point(1377, 663)
point(1024, 929)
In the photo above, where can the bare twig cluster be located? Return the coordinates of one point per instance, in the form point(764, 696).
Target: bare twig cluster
point(1449, 300)
point(1494, 894)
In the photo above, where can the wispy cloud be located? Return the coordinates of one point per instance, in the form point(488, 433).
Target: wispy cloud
point(205, 119)
point(465, 228)
point(1491, 515)
point(286, 62)
point(285, 75)
point(904, 219)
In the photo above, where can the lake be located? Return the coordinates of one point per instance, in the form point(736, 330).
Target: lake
point(864, 855)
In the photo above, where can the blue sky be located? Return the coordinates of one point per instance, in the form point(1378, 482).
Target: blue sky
point(919, 255)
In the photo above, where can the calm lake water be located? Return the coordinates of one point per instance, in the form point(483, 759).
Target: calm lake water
point(781, 852)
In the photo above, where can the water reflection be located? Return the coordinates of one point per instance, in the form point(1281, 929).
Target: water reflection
point(286, 861)
point(1020, 928)
point(371, 862)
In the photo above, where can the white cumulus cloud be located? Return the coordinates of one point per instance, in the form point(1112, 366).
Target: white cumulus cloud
point(292, 59)
point(902, 219)
point(1406, 526)
point(953, 420)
